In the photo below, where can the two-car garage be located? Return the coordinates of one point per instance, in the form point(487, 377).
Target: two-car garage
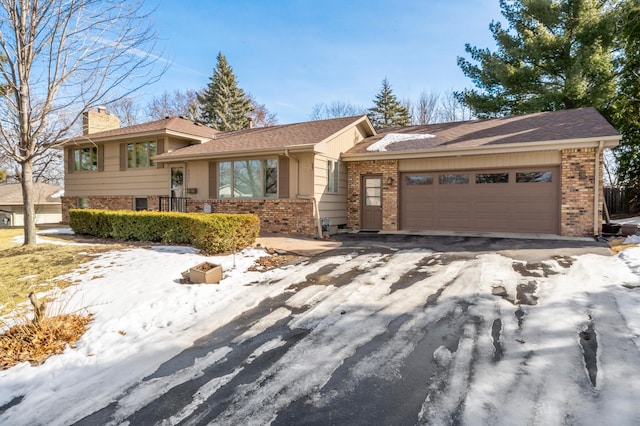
point(497, 200)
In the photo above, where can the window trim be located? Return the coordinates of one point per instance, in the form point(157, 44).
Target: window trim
point(263, 177)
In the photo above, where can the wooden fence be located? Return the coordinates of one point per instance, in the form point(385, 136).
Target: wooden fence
point(616, 200)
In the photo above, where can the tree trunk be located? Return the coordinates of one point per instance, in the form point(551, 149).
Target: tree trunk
point(28, 207)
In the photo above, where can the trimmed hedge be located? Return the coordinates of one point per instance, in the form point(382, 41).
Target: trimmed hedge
point(211, 233)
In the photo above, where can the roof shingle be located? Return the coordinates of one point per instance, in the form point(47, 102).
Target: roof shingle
point(265, 138)
point(539, 127)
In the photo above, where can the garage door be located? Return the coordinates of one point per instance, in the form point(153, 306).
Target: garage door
point(516, 200)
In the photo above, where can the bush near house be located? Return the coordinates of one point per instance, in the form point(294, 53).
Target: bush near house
point(211, 233)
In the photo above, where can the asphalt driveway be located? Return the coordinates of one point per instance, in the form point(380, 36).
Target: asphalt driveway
point(394, 329)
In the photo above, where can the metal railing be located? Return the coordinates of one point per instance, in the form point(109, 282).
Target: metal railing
point(172, 204)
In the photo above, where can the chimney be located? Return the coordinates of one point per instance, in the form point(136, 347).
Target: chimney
point(250, 123)
point(98, 121)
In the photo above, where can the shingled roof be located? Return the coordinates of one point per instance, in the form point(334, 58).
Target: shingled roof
point(11, 194)
point(266, 138)
point(565, 125)
point(172, 124)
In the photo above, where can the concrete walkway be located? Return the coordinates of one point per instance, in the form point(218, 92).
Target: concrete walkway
point(299, 246)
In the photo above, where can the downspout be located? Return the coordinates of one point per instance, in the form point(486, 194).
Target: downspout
point(305, 197)
point(596, 195)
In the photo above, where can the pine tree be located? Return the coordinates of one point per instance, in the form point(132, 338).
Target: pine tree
point(553, 55)
point(625, 112)
point(224, 106)
point(387, 110)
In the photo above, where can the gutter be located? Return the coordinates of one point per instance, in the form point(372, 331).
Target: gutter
point(596, 189)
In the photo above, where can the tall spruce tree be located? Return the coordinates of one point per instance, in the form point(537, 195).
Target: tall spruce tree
point(554, 54)
point(224, 106)
point(625, 112)
point(387, 110)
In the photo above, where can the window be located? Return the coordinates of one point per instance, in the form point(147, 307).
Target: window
point(333, 176)
point(85, 159)
point(141, 204)
point(418, 180)
point(139, 154)
point(83, 203)
point(492, 178)
point(524, 177)
point(453, 179)
point(248, 179)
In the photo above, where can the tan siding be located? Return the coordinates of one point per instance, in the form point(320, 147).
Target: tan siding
point(138, 182)
point(175, 143)
point(198, 177)
point(330, 205)
point(341, 143)
point(482, 161)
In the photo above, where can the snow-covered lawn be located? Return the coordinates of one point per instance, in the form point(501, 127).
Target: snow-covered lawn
point(511, 364)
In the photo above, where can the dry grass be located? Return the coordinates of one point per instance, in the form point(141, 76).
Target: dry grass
point(25, 269)
point(31, 343)
point(36, 269)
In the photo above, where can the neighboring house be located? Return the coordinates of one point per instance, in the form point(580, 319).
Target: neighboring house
point(47, 200)
point(537, 173)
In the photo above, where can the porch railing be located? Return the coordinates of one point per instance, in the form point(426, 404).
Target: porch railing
point(172, 204)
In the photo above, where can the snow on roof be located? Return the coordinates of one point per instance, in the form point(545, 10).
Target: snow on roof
point(391, 138)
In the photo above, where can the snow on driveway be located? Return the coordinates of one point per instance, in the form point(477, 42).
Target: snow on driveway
point(366, 336)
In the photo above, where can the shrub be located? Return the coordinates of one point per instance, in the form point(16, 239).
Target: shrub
point(211, 233)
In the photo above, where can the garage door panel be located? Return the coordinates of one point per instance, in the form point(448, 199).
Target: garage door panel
point(512, 206)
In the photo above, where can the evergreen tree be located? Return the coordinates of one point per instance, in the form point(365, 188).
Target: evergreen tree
point(553, 55)
point(387, 110)
point(224, 106)
point(625, 112)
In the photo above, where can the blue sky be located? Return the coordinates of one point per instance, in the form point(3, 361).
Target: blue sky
point(292, 55)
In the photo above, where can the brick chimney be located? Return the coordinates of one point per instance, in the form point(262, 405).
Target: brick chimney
point(98, 121)
point(249, 122)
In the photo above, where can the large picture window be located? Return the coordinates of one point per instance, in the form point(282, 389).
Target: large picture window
point(333, 176)
point(248, 179)
point(85, 159)
point(139, 154)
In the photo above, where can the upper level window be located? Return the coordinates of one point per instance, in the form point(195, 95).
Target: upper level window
point(248, 179)
point(333, 176)
point(85, 159)
point(139, 154)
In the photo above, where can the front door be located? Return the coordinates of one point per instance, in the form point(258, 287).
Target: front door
point(177, 182)
point(371, 194)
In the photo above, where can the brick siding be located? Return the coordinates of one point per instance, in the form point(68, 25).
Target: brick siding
point(577, 190)
point(389, 171)
point(292, 217)
point(281, 216)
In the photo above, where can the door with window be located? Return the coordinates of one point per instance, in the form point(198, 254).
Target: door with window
point(177, 182)
point(371, 195)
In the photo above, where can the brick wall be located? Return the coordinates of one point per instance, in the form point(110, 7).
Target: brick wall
point(295, 217)
point(389, 171)
point(115, 202)
point(282, 216)
point(577, 191)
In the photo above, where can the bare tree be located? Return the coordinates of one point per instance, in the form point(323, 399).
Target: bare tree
point(62, 57)
point(451, 109)
point(261, 116)
point(335, 109)
point(127, 110)
point(176, 103)
point(426, 111)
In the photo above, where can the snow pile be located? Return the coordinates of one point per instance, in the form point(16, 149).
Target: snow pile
point(391, 138)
